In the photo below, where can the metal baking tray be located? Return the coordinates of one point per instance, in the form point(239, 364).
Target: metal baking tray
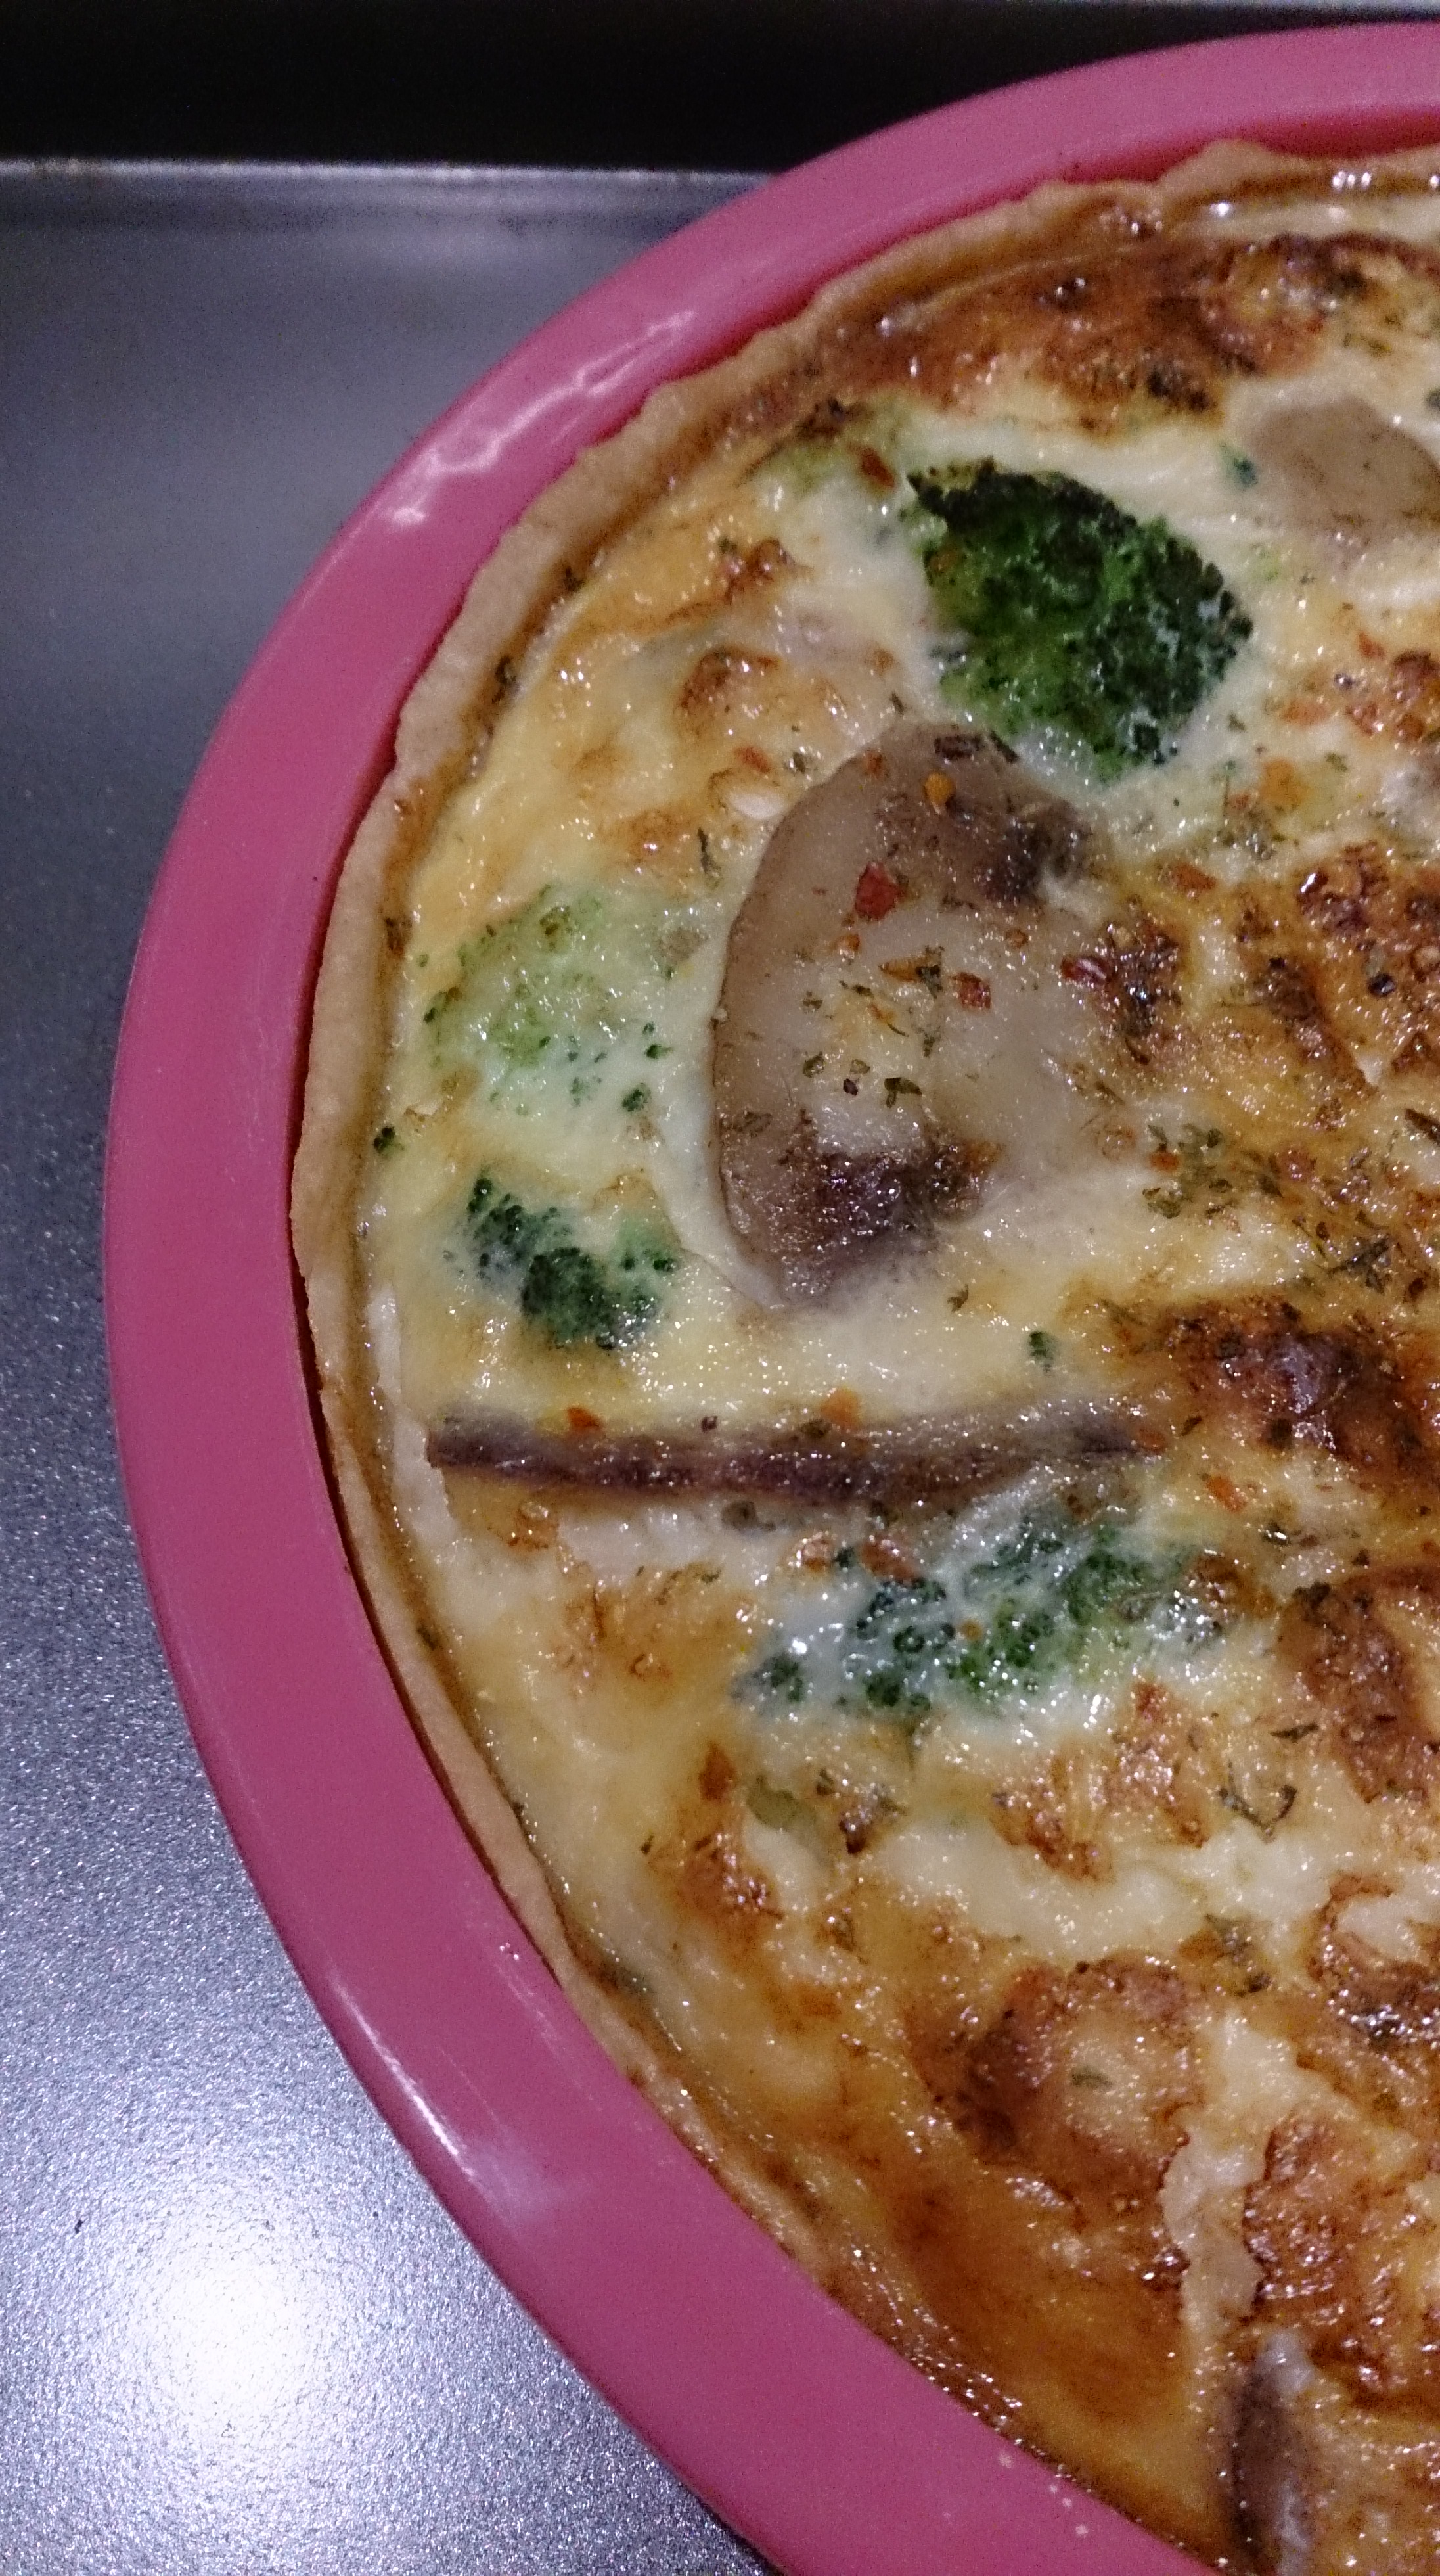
point(237, 2334)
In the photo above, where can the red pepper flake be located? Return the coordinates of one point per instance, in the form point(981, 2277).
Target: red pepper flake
point(971, 992)
point(882, 1556)
point(1084, 970)
point(1184, 874)
point(877, 892)
point(874, 468)
point(717, 1773)
point(580, 1418)
point(842, 1407)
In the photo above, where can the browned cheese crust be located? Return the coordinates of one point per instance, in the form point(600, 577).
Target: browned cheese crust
point(1089, 2053)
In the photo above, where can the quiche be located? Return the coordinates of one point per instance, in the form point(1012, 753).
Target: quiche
point(870, 1198)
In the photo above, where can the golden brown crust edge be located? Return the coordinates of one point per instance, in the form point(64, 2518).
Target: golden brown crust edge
point(442, 731)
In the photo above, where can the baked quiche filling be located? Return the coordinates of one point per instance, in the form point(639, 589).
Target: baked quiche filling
point(871, 1203)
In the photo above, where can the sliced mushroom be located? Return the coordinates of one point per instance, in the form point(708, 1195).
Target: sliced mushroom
point(941, 1458)
point(1273, 2472)
point(894, 1024)
point(1344, 472)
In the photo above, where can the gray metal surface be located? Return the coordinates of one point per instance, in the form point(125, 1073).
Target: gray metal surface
point(236, 2332)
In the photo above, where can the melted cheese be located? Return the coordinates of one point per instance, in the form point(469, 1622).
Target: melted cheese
point(818, 1788)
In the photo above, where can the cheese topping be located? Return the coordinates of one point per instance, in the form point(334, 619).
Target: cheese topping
point(898, 1246)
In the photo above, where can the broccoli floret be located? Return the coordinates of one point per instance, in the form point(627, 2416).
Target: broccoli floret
point(568, 1293)
point(558, 1002)
point(1054, 1598)
point(900, 1593)
point(536, 993)
point(1077, 619)
point(783, 1676)
point(572, 1295)
point(1064, 1601)
point(1019, 1649)
point(1110, 1588)
point(889, 1690)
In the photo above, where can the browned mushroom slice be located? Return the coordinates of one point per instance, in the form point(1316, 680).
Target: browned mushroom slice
point(1345, 472)
point(894, 1025)
point(938, 1458)
point(1272, 2470)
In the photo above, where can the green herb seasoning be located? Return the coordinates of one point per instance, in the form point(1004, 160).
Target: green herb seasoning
point(1210, 1174)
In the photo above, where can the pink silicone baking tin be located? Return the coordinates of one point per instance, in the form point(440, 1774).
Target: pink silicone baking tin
point(811, 2438)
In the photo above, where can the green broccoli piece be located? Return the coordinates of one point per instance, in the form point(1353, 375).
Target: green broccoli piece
point(530, 1256)
point(1077, 619)
point(783, 1676)
point(1020, 1649)
point(1055, 1598)
point(1065, 1597)
point(537, 993)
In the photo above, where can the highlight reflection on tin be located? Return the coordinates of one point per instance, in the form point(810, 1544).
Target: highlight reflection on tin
point(227, 2353)
point(230, 2340)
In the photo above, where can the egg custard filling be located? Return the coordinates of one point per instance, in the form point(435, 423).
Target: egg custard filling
point(870, 1202)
